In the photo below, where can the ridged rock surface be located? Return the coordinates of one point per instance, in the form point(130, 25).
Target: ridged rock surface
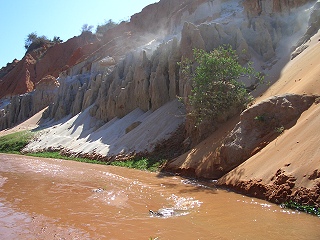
point(18, 108)
point(147, 79)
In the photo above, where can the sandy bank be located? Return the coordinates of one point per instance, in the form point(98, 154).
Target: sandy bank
point(288, 168)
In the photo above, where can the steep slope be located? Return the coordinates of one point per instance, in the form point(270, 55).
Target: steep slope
point(300, 75)
point(286, 166)
point(294, 156)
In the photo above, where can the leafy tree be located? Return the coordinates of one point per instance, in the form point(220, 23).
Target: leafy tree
point(86, 28)
point(101, 29)
point(30, 39)
point(57, 39)
point(215, 85)
point(33, 41)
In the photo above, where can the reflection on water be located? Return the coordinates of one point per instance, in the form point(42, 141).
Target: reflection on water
point(55, 199)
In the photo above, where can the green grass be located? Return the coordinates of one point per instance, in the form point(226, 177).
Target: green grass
point(150, 164)
point(13, 143)
point(57, 155)
point(302, 208)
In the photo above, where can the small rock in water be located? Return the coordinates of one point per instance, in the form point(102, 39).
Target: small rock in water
point(166, 212)
point(156, 214)
point(97, 190)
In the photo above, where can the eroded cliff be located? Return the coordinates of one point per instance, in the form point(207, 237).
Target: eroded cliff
point(116, 96)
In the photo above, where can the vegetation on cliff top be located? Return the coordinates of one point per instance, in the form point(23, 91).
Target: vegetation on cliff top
point(33, 41)
point(103, 28)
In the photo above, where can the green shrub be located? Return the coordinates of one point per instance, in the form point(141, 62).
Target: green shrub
point(260, 118)
point(86, 28)
point(150, 164)
point(215, 85)
point(302, 208)
point(57, 155)
point(279, 129)
point(102, 29)
point(33, 41)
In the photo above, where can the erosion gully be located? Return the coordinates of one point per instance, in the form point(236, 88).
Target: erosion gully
point(56, 199)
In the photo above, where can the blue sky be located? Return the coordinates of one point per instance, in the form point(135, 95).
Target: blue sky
point(62, 18)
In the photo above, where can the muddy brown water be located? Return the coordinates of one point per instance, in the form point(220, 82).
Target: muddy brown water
point(56, 199)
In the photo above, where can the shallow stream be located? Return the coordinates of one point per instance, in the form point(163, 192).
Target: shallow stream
point(56, 199)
